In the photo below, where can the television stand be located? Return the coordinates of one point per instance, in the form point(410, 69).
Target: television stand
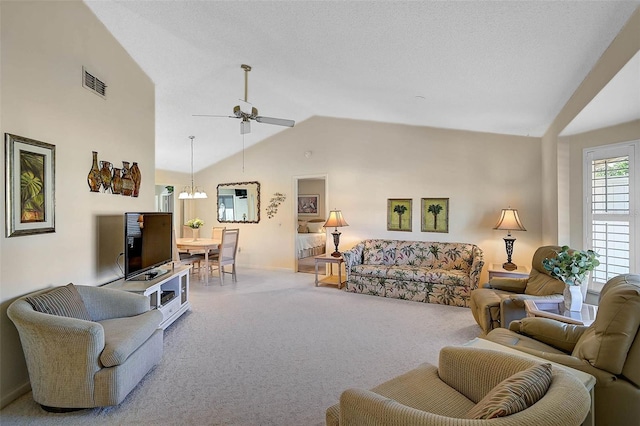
point(169, 282)
point(150, 275)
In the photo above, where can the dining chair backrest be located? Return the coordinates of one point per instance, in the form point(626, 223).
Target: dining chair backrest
point(216, 232)
point(229, 246)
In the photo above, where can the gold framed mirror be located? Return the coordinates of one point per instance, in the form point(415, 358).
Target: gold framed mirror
point(238, 202)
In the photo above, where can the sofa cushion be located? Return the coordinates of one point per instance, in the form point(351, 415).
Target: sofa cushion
point(379, 252)
point(514, 394)
point(124, 335)
point(62, 301)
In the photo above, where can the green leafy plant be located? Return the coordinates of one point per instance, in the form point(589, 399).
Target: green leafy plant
point(571, 266)
point(195, 223)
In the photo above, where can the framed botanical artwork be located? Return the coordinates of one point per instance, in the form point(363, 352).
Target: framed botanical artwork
point(435, 215)
point(399, 214)
point(308, 205)
point(30, 177)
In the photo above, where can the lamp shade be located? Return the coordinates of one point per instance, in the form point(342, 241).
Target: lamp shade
point(509, 221)
point(335, 219)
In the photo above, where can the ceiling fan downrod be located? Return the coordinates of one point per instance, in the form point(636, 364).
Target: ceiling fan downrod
point(246, 69)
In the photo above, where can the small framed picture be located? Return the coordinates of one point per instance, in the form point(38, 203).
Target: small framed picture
point(435, 215)
point(399, 214)
point(30, 196)
point(308, 205)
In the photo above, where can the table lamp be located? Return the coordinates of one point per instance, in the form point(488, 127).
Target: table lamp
point(335, 220)
point(509, 221)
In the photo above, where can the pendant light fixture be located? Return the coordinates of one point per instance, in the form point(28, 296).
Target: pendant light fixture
point(191, 192)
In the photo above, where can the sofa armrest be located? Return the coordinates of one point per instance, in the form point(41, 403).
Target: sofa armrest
point(553, 333)
point(49, 337)
point(512, 285)
point(353, 256)
point(476, 268)
point(106, 303)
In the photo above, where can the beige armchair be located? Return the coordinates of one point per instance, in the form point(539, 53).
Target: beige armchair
point(502, 299)
point(609, 349)
point(86, 346)
point(444, 395)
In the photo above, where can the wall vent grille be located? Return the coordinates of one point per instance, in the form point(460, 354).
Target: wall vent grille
point(93, 83)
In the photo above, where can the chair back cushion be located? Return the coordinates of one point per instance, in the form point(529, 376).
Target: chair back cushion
point(610, 342)
point(62, 301)
point(541, 283)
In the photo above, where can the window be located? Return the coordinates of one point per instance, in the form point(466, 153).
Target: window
point(610, 210)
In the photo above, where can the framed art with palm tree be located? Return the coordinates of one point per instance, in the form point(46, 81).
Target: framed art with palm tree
point(435, 215)
point(399, 214)
point(30, 196)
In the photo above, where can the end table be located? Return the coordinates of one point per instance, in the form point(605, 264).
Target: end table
point(330, 279)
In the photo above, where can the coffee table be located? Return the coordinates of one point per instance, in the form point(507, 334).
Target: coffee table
point(554, 309)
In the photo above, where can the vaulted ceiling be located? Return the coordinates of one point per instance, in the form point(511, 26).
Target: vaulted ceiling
point(501, 67)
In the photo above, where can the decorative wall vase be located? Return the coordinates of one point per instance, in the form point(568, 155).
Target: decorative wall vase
point(572, 298)
point(94, 180)
point(127, 182)
point(116, 181)
point(137, 178)
point(105, 175)
point(196, 233)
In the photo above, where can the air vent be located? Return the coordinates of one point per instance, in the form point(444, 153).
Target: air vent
point(93, 83)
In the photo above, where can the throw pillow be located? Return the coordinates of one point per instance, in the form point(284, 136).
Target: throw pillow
point(315, 227)
point(514, 394)
point(62, 301)
point(303, 229)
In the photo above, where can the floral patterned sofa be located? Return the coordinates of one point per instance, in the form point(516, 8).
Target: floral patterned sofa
point(422, 271)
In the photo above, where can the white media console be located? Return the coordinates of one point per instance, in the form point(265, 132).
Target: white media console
point(168, 293)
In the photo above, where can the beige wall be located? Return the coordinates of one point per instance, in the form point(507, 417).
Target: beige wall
point(44, 46)
point(577, 143)
point(556, 207)
point(480, 174)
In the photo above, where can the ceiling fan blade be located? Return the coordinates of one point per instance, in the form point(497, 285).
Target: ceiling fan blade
point(209, 115)
point(245, 127)
point(276, 121)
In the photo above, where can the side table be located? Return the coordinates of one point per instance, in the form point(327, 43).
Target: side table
point(496, 270)
point(554, 309)
point(330, 279)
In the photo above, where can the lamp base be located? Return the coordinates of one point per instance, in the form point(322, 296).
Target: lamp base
point(336, 254)
point(336, 242)
point(508, 266)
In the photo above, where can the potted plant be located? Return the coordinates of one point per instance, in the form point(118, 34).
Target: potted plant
point(572, 267)
point(195, 225)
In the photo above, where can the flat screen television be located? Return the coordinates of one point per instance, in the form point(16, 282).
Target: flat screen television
point(148, 243)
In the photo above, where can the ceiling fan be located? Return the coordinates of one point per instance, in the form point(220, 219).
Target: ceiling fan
point(247, 116)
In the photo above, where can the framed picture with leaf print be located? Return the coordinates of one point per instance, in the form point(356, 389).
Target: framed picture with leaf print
point(399, 214)
point(30, 177)
point(435, 215)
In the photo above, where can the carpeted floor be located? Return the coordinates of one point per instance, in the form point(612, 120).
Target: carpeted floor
point(272, 349)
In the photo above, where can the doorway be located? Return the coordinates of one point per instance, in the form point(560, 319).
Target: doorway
point(311, 213)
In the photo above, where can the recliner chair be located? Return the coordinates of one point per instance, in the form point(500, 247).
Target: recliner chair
point(502, 299)
point(609, 349)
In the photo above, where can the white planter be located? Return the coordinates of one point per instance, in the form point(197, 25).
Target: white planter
point(572, 298)
point(195, 233)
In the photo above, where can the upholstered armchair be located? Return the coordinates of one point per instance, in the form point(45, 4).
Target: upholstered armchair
point(466, 384)
point(609, 349)
point(501, 300)
point(86, 346)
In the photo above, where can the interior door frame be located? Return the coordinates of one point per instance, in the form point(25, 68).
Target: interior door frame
point(295, 206)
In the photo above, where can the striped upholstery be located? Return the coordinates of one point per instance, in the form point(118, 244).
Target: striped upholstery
point(514, 394)
point(62, 301)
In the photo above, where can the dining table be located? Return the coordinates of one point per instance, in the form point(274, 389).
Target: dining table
point(205, 246)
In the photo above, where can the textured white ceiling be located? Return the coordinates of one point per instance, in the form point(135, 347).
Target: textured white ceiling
point(503, 67)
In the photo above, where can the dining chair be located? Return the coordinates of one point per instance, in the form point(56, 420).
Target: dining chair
point(226, 254)
point(195, 261)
